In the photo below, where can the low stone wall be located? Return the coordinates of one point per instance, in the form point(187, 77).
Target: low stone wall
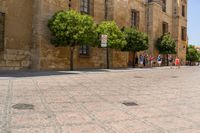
point(120, 59)
point(52, 58)
point(12, 59)
point(95, 60)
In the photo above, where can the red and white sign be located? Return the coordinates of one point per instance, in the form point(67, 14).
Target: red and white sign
point(104, 40)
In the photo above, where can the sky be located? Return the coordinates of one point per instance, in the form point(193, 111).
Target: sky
point(194, 22)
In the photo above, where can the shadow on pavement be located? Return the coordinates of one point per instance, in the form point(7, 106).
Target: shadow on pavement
point(21, 73)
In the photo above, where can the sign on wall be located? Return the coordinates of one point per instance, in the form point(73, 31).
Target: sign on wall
point(104, 40)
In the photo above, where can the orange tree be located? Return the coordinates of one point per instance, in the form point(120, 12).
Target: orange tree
point(136, 41)
point(70, 28)
point(166, 45)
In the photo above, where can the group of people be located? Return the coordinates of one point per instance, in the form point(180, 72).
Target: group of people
point(145, 60)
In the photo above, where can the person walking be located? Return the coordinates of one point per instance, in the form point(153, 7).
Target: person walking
point(141, 60)
point(147, 60)
point(136, 60)
point(159, 60)
point(144, 61)
point(177, 62)
point(151, 60)
point(170, 59)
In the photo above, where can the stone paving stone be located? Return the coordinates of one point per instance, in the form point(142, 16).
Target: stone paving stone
point(195, 117)
point(81, 93)
point(83, 129)
point(54, 93)
point(2, 95)
point(171, 122)
point(30, 120)
point(131, 126)
point(195, 106)
point(179, 109)
point(99, 106)
point(111, 115)
point(63, 107)
point(72, 118)
point(187, 131)
point(61, 99)
point(91, 98)
point(146, 112)
point(33, 130)
point(25, 99)
point(24, 91)
point(117, 98)
point(3, 82)
point(108, 92)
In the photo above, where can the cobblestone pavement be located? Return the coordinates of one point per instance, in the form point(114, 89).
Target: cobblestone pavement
point(91, 102)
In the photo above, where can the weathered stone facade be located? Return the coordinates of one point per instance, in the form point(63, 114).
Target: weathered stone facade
point(27, 38)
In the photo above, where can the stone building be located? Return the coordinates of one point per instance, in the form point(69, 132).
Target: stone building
point(25, 38)
point(198, 48)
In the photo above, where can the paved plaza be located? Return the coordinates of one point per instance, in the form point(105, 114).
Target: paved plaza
point(160, 100)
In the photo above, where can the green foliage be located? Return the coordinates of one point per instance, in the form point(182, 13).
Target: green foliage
point(198, 56)
point(72, 28)
point(192, 54)
point(116, 38)
point(136, 40)
point(166, 44)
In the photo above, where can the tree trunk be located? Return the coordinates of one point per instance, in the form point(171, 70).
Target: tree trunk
point(107, 58)
point(167, 59)
point(72, 58)
point(134, 53)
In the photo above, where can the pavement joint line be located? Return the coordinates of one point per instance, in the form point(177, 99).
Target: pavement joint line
point(132, 117)
point(93, 118)
point(182, 117)
point(56, 125)
point(6, 126)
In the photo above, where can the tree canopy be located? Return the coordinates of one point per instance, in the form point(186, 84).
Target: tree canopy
point(166, 44)
point(192, 54)
point(72, 28)
point(116, 38)
point(136, 40)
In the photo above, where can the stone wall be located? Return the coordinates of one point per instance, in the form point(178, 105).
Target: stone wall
point(96, 59)
point(119, 59)
point(123, 18)
point(173, 17)
point(181, 22)
point(43, 53)
point(18, 34)
point(59, 58)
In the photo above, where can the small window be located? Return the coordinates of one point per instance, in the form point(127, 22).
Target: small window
point(165, 27)
point(85, 6)
point(2, 28)
point(164, 6)
point(106, 10)
point(135, 18)
point(84, 50)
point(183, 10)
point(183, 34)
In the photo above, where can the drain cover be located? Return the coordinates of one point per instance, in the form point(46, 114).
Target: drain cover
point(22, 106)
point(174, 76)
point(139, 77)
point(130, 104)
